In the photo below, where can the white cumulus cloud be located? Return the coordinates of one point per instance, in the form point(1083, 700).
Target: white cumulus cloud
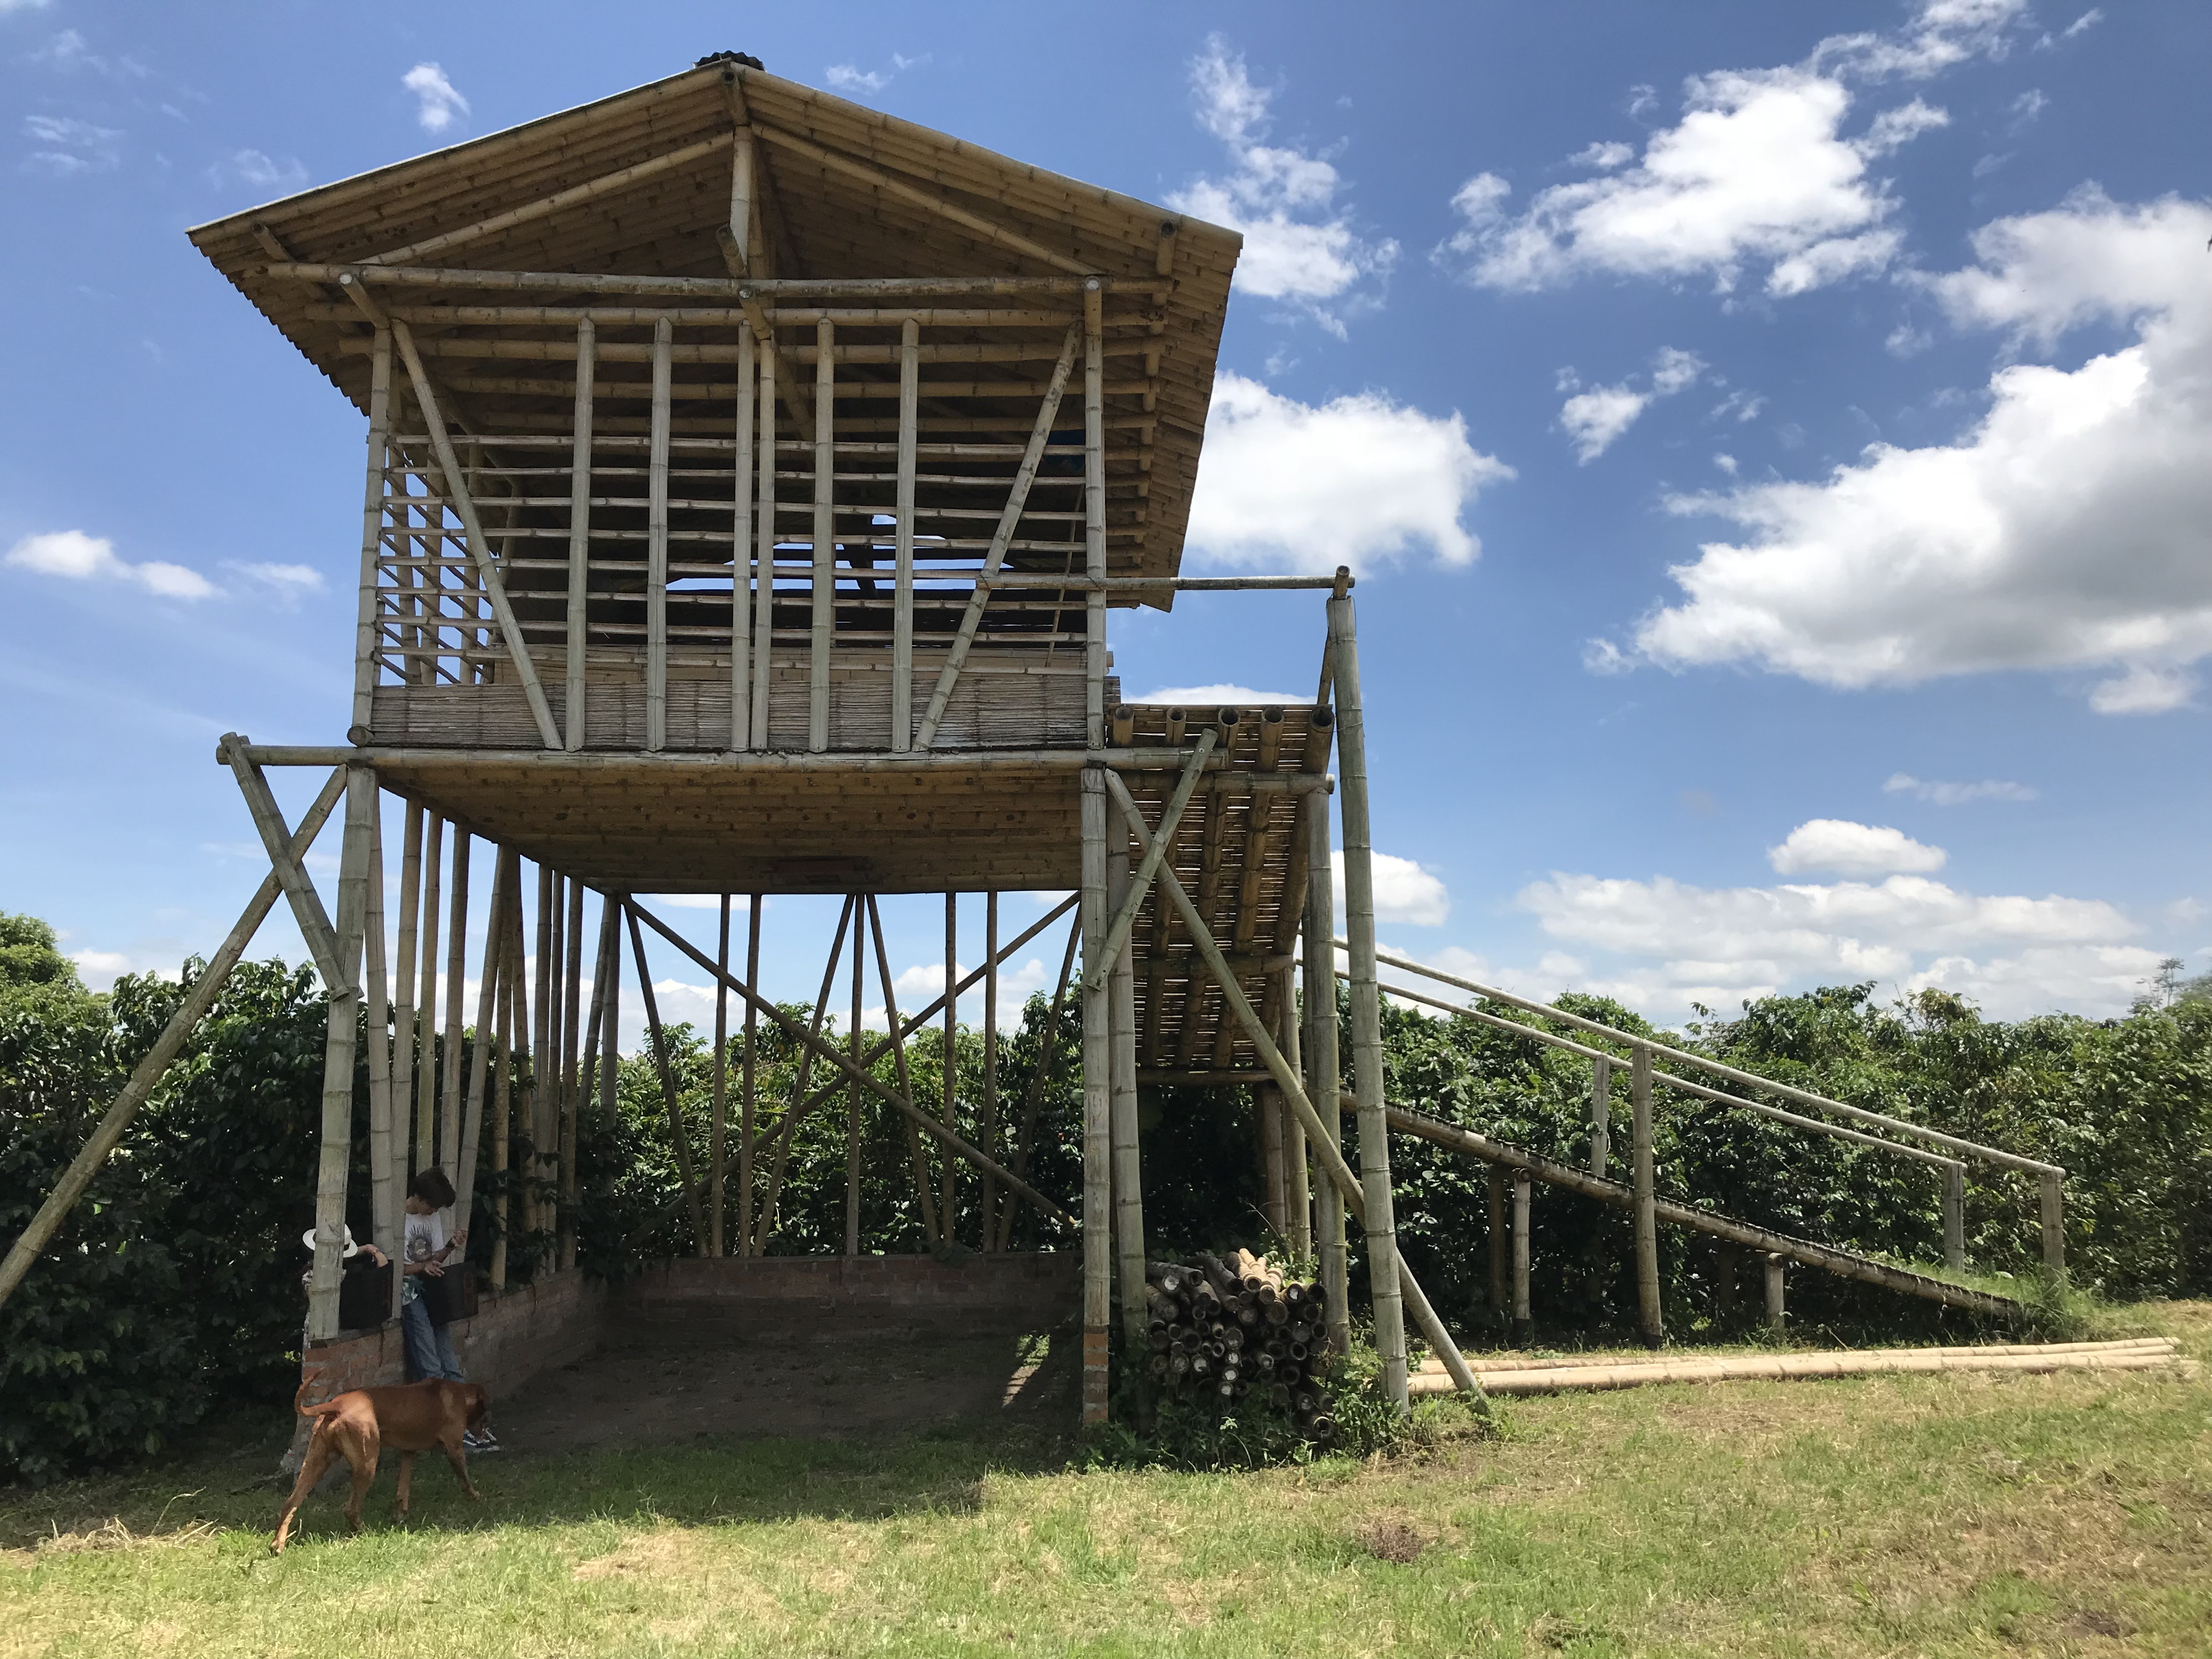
point(1594, 419)
point(1843, 848)
point(66, 145)
point(1359, 480)
point(1955, 794)
point(1404, 891)
point(1760, 172)
point(76, 557)
point(1299, 245)
point(2063, 530)
point(438, 104)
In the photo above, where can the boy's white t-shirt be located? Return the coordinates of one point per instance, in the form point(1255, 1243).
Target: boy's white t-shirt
point(424, 1240)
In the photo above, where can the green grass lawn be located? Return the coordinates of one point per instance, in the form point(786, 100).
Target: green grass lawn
point(1923, 1514)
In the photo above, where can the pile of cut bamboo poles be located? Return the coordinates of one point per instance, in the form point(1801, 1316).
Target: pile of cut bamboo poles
point(1221, 1330)
point(1499, 1376)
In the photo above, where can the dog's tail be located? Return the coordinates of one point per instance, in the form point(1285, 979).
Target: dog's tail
point(309, 1411)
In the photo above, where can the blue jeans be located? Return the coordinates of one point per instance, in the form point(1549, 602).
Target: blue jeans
point(429, 1347)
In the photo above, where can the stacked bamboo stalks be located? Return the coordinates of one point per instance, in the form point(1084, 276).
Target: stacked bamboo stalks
point(1548, 1375)
point(1221, 1330)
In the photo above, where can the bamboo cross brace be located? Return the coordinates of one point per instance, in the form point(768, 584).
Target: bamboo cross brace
point(900, 1030)
point(453, 485)
point(306, 904)
point(108, 1133)
point(677, 1132)
point(856, 1073)
point(995, 234)
point(793, 1114)
point(1016, 499)
point(1117, 935)
point(1324, 1140)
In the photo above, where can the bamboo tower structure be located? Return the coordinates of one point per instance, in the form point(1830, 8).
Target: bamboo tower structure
point(750, 479)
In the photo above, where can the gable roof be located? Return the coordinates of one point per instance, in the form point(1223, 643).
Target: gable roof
point(639, 184)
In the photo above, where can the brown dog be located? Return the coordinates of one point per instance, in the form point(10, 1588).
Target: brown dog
point(357, 1426)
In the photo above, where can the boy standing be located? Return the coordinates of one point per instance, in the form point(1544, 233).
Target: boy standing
point(426, 1248)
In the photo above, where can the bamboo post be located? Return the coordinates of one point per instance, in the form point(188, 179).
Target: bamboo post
point(506, 898)
point(384, 1194)
point(610, 1030)
point(852, 1096)
point(823, 600)
point(1094, 520)
point(1298, 1200)
point(1097, 1106)
point(540, 1036)
point(403, 999)
point(2052, 1210)
point(1601, 1113)
point(366, 625)
point(676, 1134)
point(456, 962)
point(746, 1099)
point(923, 1196)
point(988, 1126)
point(742, 192)
point(1649, 1316)
point(1954, 1216)
point(656, 545)
point(341, 1033)
point(579, 536)
point(948, 1194)
point(426, 1008)
point(572, 1077)
point(1128, 1178)
point(499, 970)
point(109, 1133)
point(718, 1129)
point(741, 544)
point(1322, 1049)
point(1034, 1093)
point(1500, 1241)
point(528, 1056)
point(1274, 1202)
point(903, 539)
point(1366, 1001)
point(1522, 1325)
point(764, 533)
point(1774, 1309)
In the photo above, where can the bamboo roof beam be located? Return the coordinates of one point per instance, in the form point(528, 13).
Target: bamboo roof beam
point(716, 287)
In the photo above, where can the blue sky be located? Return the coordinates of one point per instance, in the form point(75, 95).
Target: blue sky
point(1776, 443)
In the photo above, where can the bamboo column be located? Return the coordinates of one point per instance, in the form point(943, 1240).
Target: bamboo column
point(745, 1103)
point(1522, 1327)
point(1097, 1106)
point(610, 1030)
point(1775, 1313)
point(1500, 1241)
point(902, 542)
point(501, 974)
point(718, 1130)
point(384, 1192)
point(1954, 1216)
point(1094, 528)
point(1322, 1065)
point(366, 652)
point(948, 1195)
point(988, 1136)
point(823, 603)
point(565, 1129)
point(341, 1034)
point(1274, 1201)
point(1128, 1183)
point(2052, 1211)
point(1366, 1003)
point(764, 529)
point(402, 999)
point(656, 545)
point(1647, 1221)
point(456, 962)
point(580, 538)
point(852, 1094)
point(1600, 1114)
point(539, 1037)
point(425, 1007)
point(741, 540)
point(1298, 1200)
point(506, 917)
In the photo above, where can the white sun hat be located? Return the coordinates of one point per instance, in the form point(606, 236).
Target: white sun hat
point(352, 1249)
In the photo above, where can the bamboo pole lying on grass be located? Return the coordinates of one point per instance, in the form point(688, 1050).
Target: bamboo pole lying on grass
point(1486, 1364)
point(2065, 1357)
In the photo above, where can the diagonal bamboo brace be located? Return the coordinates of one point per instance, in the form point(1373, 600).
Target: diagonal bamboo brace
point(306, 904)
point(1117, 933)
point(1322, 1138)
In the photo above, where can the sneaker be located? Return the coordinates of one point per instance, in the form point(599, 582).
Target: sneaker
point(480, 1442)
